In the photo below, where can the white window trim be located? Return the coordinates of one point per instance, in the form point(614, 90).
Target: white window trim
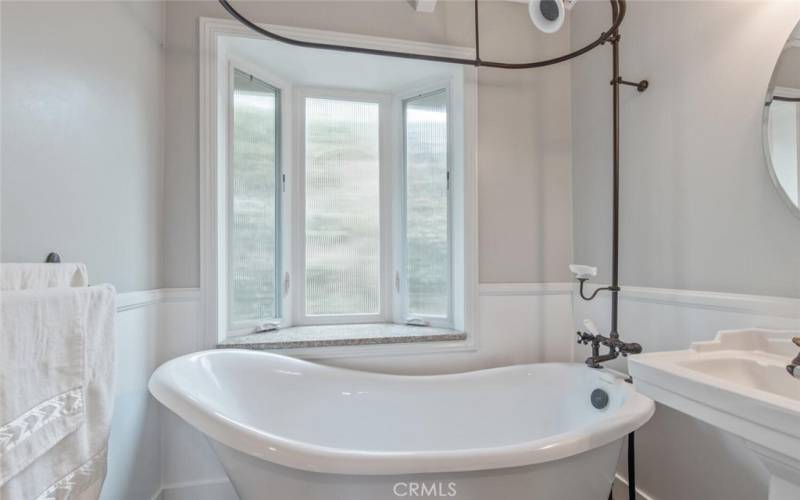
point(234, 62)
point(384, 101)
point(400, 242)
point(213, 87)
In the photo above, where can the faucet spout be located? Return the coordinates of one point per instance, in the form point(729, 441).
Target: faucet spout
point(616, 347)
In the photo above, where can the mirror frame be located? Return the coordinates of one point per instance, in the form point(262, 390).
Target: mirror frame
point(765, 139)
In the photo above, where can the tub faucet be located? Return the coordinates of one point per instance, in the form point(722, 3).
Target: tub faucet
point(794, 367)
point(616, 347)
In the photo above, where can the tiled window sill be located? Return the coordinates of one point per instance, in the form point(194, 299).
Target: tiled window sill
point(341, 335)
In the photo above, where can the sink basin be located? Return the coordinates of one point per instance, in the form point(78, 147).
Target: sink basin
point(737, 382)
point(749, 371)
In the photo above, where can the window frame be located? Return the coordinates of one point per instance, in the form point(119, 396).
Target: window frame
point(403, 299)
point(384, 315)
point(215, 38)
point(283, 201)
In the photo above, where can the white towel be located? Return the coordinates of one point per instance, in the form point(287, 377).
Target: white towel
point(15, 276)
point(74, 467)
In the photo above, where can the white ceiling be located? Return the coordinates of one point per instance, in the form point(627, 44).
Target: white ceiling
point(332, 69)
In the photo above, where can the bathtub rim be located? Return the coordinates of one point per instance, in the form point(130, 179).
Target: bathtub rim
point(635, 411)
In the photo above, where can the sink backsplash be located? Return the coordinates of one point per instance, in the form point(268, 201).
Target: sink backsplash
point(778, 342)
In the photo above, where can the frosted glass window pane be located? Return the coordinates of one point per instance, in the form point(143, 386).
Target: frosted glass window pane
point(427, 252)
point(342, 170)
point(254, 200)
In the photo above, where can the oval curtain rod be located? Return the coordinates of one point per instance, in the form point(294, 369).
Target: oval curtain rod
point(618, 8)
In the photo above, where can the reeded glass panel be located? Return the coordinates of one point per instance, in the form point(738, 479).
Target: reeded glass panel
point(342, 170)
point(427, 251)
point(253, 248)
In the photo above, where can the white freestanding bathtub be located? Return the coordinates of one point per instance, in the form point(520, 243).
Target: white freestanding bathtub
point(289, 429)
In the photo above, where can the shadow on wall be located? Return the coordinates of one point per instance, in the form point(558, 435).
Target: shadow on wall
point(134, 457)
point(694, 445)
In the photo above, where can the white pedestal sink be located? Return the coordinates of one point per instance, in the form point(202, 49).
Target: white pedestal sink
point(739, 383)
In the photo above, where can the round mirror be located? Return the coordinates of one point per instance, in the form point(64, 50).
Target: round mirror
point(782, 123)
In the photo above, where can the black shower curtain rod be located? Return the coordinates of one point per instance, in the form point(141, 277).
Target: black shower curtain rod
point(618, 8)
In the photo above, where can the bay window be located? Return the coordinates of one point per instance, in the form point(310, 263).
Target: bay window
point(369, 198)
point(338, 190)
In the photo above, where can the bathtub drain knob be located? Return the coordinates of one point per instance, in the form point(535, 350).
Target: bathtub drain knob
point(599, 398)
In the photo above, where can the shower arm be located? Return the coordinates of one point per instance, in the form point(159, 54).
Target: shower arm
point(612, 342)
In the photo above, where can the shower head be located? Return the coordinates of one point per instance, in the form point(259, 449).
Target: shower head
point(548, 15)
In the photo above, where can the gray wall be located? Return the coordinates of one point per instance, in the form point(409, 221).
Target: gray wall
point(787, 73)
point(699, 210)
point(82, 135)
point(524, 127)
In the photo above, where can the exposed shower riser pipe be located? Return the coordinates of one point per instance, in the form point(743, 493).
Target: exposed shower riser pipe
point(615, 83)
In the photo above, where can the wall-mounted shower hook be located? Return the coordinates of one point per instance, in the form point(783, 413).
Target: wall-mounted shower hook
point(640, 86)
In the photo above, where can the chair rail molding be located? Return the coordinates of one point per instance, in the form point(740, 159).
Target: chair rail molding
point(127, 301)
point(507, 289)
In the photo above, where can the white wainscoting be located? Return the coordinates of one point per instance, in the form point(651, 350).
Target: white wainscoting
point(517, 324)
point(145, 321)
point(678, 457)
point(156, 455)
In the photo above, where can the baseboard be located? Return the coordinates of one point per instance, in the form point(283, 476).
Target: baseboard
point(209, 489)
point(221, 489)
point(620, 490)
